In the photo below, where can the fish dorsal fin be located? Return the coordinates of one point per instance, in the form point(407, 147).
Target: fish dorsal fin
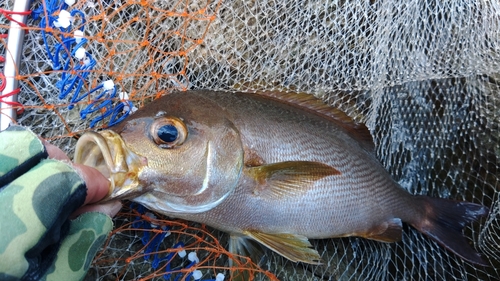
point(290, 178)
point(316, 106)
point(293, 247)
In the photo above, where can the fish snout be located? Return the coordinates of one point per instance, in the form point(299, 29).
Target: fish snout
point(106, 151)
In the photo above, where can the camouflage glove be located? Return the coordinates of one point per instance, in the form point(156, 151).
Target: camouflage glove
point(37, 195)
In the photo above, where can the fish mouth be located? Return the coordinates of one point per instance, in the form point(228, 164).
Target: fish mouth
point(107, 152)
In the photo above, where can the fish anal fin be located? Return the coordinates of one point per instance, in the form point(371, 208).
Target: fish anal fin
point(290, 178)
point(389, 231)
point(293, 247)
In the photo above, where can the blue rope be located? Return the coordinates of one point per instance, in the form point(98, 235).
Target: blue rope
point(153, 246)
point(74, 73)
point(120, 109)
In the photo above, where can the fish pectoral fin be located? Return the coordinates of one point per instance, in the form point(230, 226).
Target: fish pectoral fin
point(389, 231)
point(293, 247)
point(290, 178)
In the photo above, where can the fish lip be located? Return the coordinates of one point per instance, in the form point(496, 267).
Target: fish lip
point(107, 152)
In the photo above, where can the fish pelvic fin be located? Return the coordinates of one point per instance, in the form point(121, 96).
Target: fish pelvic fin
point(296, 248)
point(444, 221)
point(290, 178)
point(389, 231)
point(241, 247)
point(244, 246)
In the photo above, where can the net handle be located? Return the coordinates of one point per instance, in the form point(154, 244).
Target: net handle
point(15, 42)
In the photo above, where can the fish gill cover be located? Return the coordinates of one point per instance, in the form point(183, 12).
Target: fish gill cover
point(423, 76)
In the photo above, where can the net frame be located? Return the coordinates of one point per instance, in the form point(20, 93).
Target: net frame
point(8, 82)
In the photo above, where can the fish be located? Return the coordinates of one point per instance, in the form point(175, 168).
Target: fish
point(276, 168)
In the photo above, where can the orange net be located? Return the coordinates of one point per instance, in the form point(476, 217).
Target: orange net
point(124, 44)
point(422, 75)
point(108, 52)
point(168, 250)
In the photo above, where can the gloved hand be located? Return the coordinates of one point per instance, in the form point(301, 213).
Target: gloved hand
point(38, 241)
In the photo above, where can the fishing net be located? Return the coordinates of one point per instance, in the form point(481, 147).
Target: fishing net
point(423, 75)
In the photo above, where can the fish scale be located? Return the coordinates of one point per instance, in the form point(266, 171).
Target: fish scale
point(278, 168)
point(319, 138)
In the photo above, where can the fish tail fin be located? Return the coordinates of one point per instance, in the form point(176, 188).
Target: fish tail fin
point(444, 221)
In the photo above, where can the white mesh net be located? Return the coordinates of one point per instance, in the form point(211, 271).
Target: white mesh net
point(423, 76)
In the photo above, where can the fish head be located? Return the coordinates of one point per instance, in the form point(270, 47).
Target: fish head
point(173, 156)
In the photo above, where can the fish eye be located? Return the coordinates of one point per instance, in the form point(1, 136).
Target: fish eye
point(168, 132)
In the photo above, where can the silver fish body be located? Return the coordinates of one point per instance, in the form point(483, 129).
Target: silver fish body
point(332, 206)
point(279, 168)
